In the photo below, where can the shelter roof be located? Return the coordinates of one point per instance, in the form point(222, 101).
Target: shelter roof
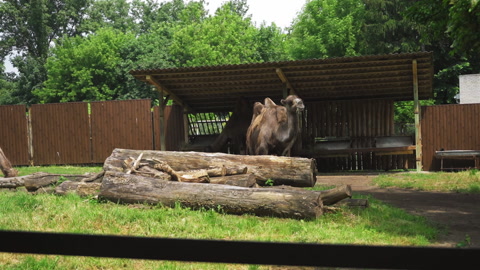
point(217, 88)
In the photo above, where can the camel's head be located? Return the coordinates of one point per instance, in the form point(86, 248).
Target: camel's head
point(293, 103)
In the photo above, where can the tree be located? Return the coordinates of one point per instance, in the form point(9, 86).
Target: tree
point(7, 87)
point(386, 30)
point(225, 38)
point(270, 41)
point(29, 26)
point(436, 22)
point(87, 69)
point(109, 13)
point(28, 29)
point(326, 28)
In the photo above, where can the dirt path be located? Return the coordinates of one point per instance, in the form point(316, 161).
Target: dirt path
point(460, 213)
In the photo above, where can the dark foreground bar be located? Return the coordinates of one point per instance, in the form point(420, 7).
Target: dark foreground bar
point(385, 257)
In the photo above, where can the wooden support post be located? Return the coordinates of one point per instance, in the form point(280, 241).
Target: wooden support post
point(185, 125)
point(163, 145)
point(416, 111)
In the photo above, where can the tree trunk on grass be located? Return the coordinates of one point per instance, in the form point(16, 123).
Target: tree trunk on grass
point(38, 180)
point(6, 166)
point(80, 188)
point(299, 204)
point(299, 172)
point(329, 196)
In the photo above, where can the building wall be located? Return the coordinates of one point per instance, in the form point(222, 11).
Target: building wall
point(469, 88)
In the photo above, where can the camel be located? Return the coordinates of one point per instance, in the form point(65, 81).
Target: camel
point(274, 128)
point(235, 129)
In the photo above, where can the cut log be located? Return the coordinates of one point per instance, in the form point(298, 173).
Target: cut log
point(293, 171)
point(334, 195)
point(6, 166)
point(353, 203)
point(37, 180)
point(13, 182)
point(299, 204)
point(240, 180)
point(329, 196)
point(151, 172)
point(81, 188)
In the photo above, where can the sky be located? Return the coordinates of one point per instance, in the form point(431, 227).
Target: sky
point(282, 12)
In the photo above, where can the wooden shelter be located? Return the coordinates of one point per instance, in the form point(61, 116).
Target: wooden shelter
point(348, 97)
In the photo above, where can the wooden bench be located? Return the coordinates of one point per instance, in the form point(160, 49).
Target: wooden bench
point(458, 154)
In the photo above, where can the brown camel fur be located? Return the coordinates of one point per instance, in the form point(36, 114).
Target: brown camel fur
point(274, 128)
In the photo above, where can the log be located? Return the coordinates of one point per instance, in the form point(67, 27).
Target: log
point(353, 203)
point(151, 172)
point(13, 182)
point(298, 204)
point(240, 180)
point(37, 180)
point(334, 195)
point(81, 188)
point(293, 171)
point(6, 166)
point(329, 196)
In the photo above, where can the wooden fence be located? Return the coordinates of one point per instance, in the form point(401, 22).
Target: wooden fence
point(449, 127)
point(84, 133)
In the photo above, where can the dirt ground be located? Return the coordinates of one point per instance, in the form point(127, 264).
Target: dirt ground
point(459, 213)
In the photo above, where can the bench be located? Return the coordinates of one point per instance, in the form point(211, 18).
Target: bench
point(380, 145)
point(458, 154)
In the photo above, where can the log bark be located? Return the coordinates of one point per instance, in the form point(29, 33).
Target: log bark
point(299, 204)
point(293, 171)
point(35, 181)
point(334, 195)
point(81, 188)
point(329, 196)
point(13, 182)
point(240, 180)
point(6, 166)
point(363, 203)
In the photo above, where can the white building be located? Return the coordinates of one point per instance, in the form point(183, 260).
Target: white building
point(469, 88)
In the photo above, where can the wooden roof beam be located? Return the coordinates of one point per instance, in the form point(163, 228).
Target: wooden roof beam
point(284, 79)
point(161, 87)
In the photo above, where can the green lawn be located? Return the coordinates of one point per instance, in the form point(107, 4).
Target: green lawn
point(379, 224)
point(462, 182)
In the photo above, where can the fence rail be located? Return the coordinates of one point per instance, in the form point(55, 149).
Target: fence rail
point(244, 252)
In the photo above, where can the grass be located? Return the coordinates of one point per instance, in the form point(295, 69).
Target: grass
point(59, 169)
point(461, 182)
point(380, 224)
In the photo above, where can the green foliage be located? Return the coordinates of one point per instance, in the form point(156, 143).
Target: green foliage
point(327, 28)
point(386, 29)
point(463, 25)
point(28, 26)
point(226, 38)
point(436, 21)
point(86, 69)
point(7, 87)
point(269, 182)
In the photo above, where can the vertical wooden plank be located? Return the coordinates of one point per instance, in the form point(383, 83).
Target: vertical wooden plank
point(14, 134)
point(120, 124)
point(61, 133)
point(418, 132)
